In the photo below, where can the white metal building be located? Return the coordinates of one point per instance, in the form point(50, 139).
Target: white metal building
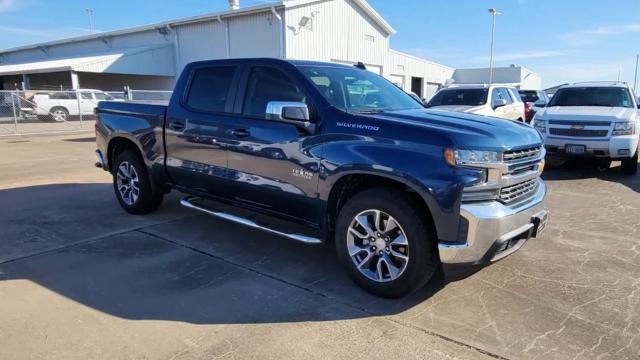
point(150, 57)
point(519, 76)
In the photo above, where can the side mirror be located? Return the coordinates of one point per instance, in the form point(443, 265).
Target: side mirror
point(499, 103)
point(295, 113)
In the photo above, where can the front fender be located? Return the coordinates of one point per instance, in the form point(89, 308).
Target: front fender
point(420, 167)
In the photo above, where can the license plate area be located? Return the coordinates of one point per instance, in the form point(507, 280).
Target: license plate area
point(539, 223)
point(575, 149)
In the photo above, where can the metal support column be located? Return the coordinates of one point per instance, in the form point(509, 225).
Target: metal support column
point(13, 105)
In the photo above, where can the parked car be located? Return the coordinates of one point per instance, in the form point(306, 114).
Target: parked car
point(59, 106)
point(499, 101)
point(598, 120)
point(534, 101)
point(342, 155)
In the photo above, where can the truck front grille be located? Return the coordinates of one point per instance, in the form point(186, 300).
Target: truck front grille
point(578, 132)
point(523, 154)
point(518, 192)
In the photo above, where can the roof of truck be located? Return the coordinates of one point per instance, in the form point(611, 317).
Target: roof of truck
point(620, 84)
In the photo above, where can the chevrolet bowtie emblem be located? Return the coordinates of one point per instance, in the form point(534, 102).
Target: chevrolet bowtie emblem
point(577, 127)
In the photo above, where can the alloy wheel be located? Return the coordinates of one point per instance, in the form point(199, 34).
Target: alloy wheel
point(378, 245)
point(128, 183)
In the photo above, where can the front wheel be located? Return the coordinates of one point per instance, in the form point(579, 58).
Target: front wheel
point(385, 242)
point(630, 166)
point(132, 184)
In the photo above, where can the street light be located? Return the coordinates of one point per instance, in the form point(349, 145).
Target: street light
point(493, 13)
point(90, 11)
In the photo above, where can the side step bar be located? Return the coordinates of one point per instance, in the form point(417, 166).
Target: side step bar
point(189, 202)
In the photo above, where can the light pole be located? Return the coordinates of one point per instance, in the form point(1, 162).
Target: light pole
point(493, 13)
point(635, 78)
point(90, 11)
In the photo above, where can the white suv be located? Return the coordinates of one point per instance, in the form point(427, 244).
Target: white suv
point(596, 119)
point(501, 101)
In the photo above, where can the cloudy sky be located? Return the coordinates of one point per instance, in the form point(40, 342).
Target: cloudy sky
point(563, 40)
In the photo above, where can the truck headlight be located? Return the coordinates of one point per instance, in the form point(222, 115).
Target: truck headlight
point(540, 125)
point(623, 128)
point(471, 157)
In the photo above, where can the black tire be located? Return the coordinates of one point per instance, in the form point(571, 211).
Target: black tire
point(58, 114)
point(147, 199)
point(630, 166)
point(422, 250)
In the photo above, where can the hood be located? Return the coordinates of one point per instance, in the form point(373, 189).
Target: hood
point(457, 108)
point(594, 113)
point(465, 130)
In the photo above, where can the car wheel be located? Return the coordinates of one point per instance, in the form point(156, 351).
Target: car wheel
point(386, 242)
point(630, 166)
point(59, 114)
point(132, 184)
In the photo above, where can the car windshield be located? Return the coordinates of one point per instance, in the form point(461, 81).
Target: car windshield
point(592, 96)
point(529, 96)
point(460, 97)
point(358, 91)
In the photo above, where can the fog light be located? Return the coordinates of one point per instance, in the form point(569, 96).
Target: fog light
point(624, 152)
point(541, 166)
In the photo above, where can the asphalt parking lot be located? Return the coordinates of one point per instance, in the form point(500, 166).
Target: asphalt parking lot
point(80, 278)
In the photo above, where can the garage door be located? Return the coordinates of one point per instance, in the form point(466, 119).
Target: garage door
point(432, 89)
point(398, 80)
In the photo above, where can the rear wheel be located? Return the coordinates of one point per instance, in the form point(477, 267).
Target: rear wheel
point(385, 242)
point(132, 184)
point(59, 114)
point(630, 166)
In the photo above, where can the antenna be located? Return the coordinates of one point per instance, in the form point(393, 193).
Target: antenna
point(90, 12)
point(361, 65)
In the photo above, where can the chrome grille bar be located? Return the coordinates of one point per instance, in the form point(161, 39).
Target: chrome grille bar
point(518, 155)
point(518, 191)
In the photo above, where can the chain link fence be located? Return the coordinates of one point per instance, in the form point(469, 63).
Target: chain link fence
point(50, 111)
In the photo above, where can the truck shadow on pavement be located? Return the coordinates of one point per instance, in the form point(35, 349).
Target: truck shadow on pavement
point(584, 169)
point(175, 265)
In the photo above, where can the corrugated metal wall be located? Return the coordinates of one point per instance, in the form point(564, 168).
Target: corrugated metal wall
point(335, 30)
point(255, 35)
point(201, 41)
point(339, 31)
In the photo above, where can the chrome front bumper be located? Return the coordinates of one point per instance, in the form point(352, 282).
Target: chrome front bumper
point(493, 230)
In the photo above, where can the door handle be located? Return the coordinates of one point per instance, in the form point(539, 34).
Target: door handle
point(241, 133)
point(177, 125)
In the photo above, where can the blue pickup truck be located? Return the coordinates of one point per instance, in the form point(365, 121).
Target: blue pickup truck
point(319, 152)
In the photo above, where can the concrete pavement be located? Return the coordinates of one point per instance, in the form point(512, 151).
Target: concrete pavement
point(80, 278)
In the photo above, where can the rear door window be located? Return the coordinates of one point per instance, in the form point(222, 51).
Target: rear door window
point(504, 94)
point(210, 88)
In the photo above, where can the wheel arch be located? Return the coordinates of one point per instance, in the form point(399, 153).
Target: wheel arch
point(349, 184)
point(117, 144)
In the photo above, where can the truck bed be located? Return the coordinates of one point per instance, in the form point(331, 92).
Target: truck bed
point(134, 108)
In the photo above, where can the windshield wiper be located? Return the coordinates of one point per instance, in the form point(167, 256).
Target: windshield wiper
point(369, 111)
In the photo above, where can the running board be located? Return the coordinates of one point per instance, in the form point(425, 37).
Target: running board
point(189, 203)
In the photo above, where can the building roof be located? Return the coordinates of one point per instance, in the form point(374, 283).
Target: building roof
point(116, 62)
point(363, 4)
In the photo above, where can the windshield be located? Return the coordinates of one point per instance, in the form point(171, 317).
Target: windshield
point(359, 91)
point(529, 96)
point(471, 97)
point(592, 96)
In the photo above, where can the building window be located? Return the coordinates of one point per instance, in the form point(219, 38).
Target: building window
point(370, 38)
point(400, 67)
